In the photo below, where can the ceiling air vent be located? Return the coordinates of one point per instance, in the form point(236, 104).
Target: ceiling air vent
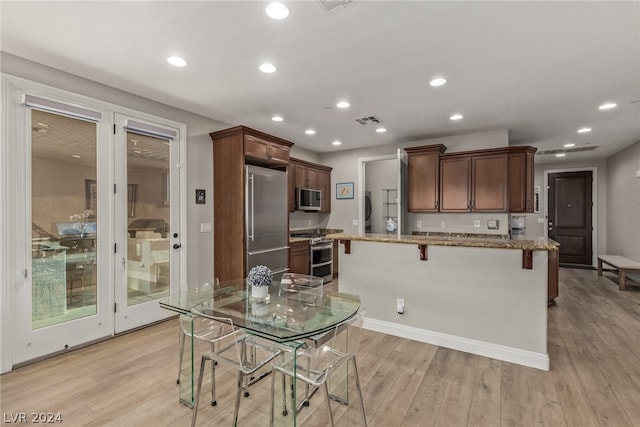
point(368, 120)
point(567, 150)
point(329, 5)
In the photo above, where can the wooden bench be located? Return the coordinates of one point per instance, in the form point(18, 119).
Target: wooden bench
point(622, 264)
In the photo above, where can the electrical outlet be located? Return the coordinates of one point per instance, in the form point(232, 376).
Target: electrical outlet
point(419, 224)
point(476, 223)
point(205, 227)
point(540, 220)
point(400, 305)
point(443, 224)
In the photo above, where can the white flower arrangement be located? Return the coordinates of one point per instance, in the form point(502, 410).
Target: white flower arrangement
point(82, 216)
point(260, 275)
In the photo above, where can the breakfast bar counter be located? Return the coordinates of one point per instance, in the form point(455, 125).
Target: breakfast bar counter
point(497, 241)
point(483, 295)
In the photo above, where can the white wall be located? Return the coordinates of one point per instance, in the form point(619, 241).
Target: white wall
point(199, 149)
point(478, 300)
point(623, 203)
point(345, 169)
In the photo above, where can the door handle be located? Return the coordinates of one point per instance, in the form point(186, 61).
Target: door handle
point(177, 246)
point(251, 236)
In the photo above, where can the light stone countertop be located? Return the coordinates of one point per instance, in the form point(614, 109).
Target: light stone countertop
point(531, 243)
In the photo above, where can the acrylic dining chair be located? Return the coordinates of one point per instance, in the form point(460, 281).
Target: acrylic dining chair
point(313, 365)
point(303, 286)
point(232, 347)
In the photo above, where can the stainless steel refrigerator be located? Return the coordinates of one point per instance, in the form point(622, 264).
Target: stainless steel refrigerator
point(267, 219)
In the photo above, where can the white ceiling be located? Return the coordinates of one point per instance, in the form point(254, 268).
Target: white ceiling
point(540, 69)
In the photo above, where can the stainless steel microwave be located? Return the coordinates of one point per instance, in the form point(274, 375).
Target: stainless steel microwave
point(308, 199)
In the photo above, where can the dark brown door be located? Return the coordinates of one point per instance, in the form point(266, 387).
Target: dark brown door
point(570, 223)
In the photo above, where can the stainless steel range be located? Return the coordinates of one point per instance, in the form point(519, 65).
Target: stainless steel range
point(321, 258)
point(320, 255)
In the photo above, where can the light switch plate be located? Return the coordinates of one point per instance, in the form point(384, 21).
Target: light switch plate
point(354, 222)
point(540, 220)
point(205, 227)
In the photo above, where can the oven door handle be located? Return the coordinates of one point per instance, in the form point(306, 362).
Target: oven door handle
point(322, 264)
point(321, 247)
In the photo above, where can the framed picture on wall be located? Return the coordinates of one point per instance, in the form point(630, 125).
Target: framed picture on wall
point(344, 190)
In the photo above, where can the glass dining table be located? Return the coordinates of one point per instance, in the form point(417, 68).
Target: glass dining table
point(290, 319)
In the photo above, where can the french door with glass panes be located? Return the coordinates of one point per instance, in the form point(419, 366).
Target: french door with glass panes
point(147, 221)
point(96, 217)
point(62, 232)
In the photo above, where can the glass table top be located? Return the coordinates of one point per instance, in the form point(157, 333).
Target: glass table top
point(287, 316)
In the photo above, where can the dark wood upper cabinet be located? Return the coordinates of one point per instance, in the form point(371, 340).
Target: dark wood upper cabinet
point(324, 185)
point(489, 183)
point(423, 178)
point(310, 175)
point(265, 150)
point(521, 172)
point(455, 184)
point(490, 180)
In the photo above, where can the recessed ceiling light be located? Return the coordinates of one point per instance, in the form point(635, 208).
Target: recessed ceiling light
point(560, 155)
point(438, 81)
point(342, 104)
point(277, 10)
point(381, 130)
point(336, 142)
point(268, 68)
point(75, 156)
point(456, 116)
point(277, 118)
point(569, 145)
point(176, 61)
point(607, 106)
point(310, 132)
point(584, 130)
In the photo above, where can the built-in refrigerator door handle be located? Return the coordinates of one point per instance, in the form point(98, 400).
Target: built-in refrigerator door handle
point(251, 215)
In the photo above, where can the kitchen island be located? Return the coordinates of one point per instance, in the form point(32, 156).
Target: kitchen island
point(486, 296)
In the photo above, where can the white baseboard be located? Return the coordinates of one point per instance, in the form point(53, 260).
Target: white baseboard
point(481, 348)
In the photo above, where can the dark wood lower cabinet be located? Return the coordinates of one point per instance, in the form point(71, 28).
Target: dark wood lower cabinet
point(299, 257)
point(553, 275)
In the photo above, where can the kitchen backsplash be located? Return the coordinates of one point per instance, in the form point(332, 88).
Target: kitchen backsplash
point(307, 220)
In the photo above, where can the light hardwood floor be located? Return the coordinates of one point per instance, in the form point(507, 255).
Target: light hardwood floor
point(594, 343)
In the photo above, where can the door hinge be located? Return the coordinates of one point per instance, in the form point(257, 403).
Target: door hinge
point(114, 189)
point(114, 128)
point(25, 273)
point(115, 248)
point(115, 307)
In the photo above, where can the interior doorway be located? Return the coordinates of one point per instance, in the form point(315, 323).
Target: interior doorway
point(570, 215)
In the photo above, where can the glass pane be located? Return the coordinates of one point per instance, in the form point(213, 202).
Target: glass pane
point(148, 223)
point(63, 213)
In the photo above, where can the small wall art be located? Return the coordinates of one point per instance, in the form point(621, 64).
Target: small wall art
point(344, 190)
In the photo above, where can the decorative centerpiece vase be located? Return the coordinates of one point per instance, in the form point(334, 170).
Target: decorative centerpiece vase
point(259, 278)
